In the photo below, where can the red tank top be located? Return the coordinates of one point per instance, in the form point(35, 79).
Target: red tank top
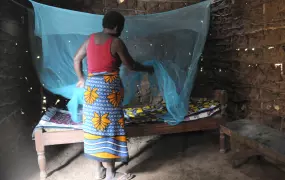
point(99, 57)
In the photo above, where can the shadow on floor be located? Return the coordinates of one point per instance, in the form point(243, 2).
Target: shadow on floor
point(66, 163)
point(261, 169)
point(187, 156)
point(169, 147)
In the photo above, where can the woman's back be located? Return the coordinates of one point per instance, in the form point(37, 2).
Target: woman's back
point(99, 54)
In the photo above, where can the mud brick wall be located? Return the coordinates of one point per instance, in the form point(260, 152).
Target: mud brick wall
point(244, 53)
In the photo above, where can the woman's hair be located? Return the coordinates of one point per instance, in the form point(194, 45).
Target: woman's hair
point(113, 19)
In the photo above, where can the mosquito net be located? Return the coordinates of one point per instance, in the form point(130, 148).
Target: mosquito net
point(172, 42)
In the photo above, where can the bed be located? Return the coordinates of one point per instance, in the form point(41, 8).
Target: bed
point(56, 126)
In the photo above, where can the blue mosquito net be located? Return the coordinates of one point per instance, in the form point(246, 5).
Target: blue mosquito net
point(171, 41)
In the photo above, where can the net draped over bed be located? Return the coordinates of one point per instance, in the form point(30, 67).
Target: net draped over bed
point(172, 42)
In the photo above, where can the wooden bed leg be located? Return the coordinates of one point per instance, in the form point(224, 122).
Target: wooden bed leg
point(42, 165)
point(40, 148)
point(222, 142)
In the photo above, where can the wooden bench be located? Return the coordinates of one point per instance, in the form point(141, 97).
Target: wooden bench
point(250, 139)
point(43, 138)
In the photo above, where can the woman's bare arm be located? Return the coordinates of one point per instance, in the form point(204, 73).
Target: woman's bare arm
point(78, 58)
point(123, 53)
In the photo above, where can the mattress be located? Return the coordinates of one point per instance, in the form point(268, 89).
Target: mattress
point(60, 120)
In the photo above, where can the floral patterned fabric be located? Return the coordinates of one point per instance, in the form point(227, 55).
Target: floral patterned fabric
point(199, 108)
point(58, 120)
point(103, 118)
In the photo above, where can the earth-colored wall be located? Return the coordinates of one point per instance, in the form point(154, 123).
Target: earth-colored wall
point(244, 54)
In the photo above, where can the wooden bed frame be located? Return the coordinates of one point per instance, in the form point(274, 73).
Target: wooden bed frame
point(43, 139)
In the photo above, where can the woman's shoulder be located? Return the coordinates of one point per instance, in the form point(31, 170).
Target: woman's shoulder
point(117, 39)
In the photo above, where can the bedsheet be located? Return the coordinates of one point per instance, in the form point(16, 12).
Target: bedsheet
point(60, 120)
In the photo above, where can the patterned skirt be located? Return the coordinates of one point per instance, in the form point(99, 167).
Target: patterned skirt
point(103, 118)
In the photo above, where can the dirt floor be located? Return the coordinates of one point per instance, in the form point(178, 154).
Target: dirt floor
point(190, 156)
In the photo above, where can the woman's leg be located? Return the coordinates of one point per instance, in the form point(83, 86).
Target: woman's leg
point(111, 174)
point(110, 166)
point(100, 170)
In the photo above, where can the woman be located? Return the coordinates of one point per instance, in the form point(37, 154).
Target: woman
point(103, 118)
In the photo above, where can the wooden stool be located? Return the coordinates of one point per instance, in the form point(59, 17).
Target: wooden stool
point(250, 139)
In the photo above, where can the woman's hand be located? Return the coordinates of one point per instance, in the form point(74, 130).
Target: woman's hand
point(80, 83)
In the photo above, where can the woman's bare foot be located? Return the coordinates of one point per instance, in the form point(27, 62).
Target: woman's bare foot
point(101, 173)
point(120, 176)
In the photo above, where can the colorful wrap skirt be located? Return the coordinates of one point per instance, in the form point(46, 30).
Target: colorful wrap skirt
point(103, 118)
